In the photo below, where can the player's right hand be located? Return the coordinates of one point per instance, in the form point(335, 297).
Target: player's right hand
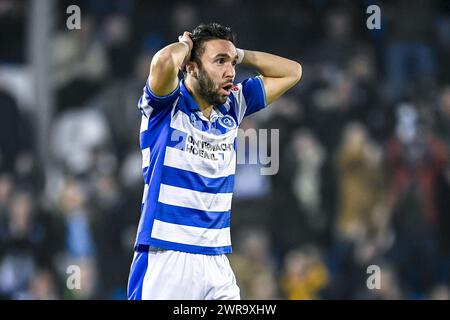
point(186, 38)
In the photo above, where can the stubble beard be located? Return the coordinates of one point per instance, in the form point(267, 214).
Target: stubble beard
point(208, 90)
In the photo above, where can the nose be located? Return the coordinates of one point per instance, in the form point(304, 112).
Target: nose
point(230, 71)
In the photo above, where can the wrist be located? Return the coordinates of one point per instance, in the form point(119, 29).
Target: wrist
point(187, 45)
point(240, 53)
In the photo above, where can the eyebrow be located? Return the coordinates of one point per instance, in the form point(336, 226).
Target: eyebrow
point(225, 55)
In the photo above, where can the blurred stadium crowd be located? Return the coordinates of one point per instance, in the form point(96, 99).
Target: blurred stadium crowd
point(364, 175)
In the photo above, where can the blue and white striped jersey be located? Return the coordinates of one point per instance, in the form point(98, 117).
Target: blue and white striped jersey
point(188, 165)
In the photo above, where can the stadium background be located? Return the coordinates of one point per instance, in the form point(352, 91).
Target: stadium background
point(364, 147)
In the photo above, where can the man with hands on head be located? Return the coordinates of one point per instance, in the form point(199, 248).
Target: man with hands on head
point(187, 138)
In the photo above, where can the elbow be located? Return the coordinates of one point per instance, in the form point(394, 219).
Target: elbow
point(298, 72)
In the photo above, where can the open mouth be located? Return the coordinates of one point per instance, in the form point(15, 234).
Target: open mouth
point(227, 88)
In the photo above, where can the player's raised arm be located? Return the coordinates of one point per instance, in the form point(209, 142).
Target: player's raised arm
point(278, 74)
point(163, 77)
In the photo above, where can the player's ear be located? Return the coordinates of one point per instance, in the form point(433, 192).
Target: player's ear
point(192, 69)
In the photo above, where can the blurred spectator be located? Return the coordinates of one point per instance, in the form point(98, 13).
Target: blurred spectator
point(112, 223)
point(410, 56)
point(339, 43)
point(87, 131)
point(362, 231)
point(119, 44)
point(78, 238)
point(368, 107)
point(443, 115)
point(6, 191)
point(264, 287)
point(24, 245)
point(307, 185)
point(42, 287)
point(80, 249)
point(80, 64)
point(334, 104)
point(252, 262)
point(361, 180)
point(415, 157)
point(118, 105)
point(304, 274)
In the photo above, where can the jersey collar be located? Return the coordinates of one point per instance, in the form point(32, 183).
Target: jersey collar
point(193, 106)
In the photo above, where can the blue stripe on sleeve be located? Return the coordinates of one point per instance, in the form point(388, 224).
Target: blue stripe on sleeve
point(157, 102)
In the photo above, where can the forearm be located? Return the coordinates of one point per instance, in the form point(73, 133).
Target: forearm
point(171, 57)
point(163, 76)
point(278, 74)
point(270, 65)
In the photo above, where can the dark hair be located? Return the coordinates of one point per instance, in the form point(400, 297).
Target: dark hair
point(206, 32)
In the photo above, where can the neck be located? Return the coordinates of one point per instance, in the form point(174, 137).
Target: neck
point(204, 106)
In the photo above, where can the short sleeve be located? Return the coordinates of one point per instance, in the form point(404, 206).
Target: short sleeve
point(250, 97)
point(150, 103)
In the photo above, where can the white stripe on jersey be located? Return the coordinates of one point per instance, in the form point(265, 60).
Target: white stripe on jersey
point(240, 100)
point(191, 235)
point(181, 121)
point(145, 106)
point(145, 158)
point(144, 196)
point(194, 199)
point(208, 168)
point(144, 124)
